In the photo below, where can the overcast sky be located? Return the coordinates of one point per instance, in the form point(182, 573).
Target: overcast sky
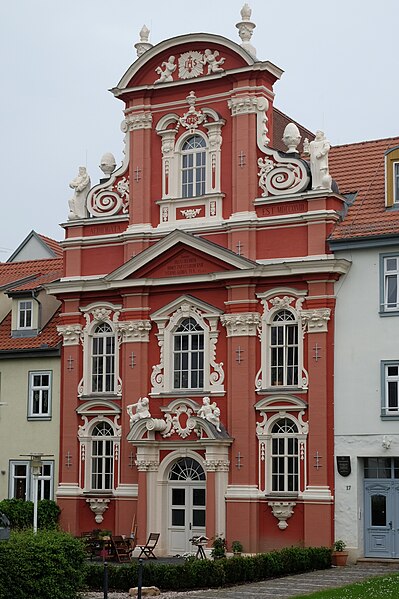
point(60, 57)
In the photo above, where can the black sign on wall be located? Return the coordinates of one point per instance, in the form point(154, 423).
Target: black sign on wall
point(344, 465)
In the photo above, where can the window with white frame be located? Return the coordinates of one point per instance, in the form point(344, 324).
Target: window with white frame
point(187, 337)
point(193, 167)
point(390, 386)
point(39, 394)
point(389, 283)
point(396, 182)
point(284, 347)
point(103, 359)
point(102, 457)
point(22, 480)
point(284, 456)
point(188, 355)
point(25, 314)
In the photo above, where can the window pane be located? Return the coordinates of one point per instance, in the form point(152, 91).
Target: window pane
point(178, 496)
point(178, 517)
point(199, 518)
point(199, 497)
point(378, 510)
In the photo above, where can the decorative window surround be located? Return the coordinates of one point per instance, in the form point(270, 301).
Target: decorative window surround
point(273, 303)
point(272, 410)
point(242, 324)
point(390, 389)
point(39, 403)
point(167, 128)
point(191, 212)
point(167, 320)
point(96, 314)
point(389, 284)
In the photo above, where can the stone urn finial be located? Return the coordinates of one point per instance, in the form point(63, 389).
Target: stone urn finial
point(143, 45)
point(245, 29)
point(291, 138)
point(108, 164)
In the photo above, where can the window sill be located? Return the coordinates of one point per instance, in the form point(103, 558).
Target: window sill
point(41, 418)
point(281, 389)
point(100, 396)
point(281, 495)
point(389, 312)
point(394, 416)
point(187, 393)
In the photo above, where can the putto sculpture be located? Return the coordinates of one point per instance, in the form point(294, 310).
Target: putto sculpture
point(142, 410)
point(77, 204)
point(169, 68)
point(210, 412)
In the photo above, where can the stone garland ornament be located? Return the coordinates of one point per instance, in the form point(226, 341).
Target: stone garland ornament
point(191, 64)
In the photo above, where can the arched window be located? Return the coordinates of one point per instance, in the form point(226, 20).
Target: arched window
point(187, 469)
point(102, 457)
point(284, 456)
point(193, 167)
point(188, 355)
point(284, 349)
point(103, 359)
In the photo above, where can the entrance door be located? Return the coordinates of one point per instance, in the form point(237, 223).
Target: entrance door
point(381, 507)
point(186, 505)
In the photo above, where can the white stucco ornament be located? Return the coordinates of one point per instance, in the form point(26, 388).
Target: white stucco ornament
point(108, 164)
point(142, 410)
point(291, 138)
point(212, 61)
point(210, 412)
point(169, 67)
point(98, 506)
point(245, 30)
point(282, 510)
point(318, 150)
point(143, 45)
point(77, 204)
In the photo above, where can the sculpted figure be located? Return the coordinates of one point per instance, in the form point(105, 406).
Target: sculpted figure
point(318, 150)
point(142, 410)
point(77, 204)
point(167, 74)
point(210, 412)
point(211, 59)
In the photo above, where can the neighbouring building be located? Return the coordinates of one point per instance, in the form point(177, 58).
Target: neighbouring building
point(367, 350)
point(198, 310)
point(29, 368)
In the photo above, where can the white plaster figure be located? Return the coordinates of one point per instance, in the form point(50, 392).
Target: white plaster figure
point(318, 151)
point(142, 410)
point(77, 204)
point(211, 59)
point(210, 412)
point(167, 74)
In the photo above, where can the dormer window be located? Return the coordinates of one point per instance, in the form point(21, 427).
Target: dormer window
point(25, 310)
point(392, 178)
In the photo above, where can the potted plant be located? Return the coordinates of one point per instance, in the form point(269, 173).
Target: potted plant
point(339, 555)
point(218, 548)
point(237, 547)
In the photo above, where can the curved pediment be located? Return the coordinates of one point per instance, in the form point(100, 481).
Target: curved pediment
point(144, 71)
point(276, 403)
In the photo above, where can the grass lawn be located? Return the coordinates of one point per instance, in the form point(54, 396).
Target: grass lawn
point(382, 587)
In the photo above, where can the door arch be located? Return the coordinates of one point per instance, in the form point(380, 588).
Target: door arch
point(186, 504)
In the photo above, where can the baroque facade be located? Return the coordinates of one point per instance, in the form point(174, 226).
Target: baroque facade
point(198, 311)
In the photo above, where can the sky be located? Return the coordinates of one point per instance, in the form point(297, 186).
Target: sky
point(59, 58)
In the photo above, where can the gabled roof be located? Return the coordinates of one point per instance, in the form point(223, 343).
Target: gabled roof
point(36, 247)
point(360, 169)
point(29, 275)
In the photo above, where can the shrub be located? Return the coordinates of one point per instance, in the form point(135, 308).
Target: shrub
point(197, 574)
point(20, 513)
point(48, 565)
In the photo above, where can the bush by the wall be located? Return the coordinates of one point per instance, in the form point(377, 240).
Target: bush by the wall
point(196, 574)
point(48, 565)
point(20, 513)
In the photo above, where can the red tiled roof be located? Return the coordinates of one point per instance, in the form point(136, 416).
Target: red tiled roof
point(360, 168)
point(280, 121)
point(29, 275)
point(52, 244)
point(48, 338)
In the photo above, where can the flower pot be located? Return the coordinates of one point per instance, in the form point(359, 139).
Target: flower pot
point(339, 558)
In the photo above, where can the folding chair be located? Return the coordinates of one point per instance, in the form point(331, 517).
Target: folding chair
point(148, 548)
point(122, 548)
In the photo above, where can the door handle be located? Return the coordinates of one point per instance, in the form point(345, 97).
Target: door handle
point(190, 525)
point(390, 524)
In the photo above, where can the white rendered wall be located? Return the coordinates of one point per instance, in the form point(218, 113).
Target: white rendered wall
point(363, 339)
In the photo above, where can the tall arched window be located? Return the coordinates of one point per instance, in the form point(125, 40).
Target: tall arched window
point(193, 167)
point(285, 456)
point(188, 355)
point(102, 457)
point(103, 359)
point(284, 349)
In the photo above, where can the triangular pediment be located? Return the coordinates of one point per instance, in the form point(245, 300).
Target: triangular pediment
point(180, 254)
